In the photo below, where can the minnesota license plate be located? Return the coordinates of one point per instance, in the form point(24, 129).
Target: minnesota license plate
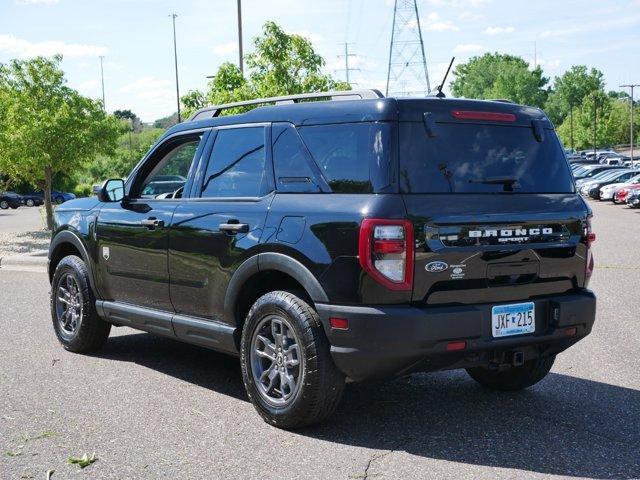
point(515, 319)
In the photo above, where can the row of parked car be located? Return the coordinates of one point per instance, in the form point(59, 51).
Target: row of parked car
point(31, 199)
point(601, 157)
point(618, 184)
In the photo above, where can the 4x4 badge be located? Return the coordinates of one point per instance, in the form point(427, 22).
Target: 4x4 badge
point(435, 267)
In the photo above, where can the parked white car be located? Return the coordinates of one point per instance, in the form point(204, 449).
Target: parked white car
point(608, 191)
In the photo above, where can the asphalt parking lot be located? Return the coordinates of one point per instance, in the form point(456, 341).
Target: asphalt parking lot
point(153, 408)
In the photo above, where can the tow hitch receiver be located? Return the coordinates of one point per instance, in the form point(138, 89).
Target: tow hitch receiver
point(500, 360)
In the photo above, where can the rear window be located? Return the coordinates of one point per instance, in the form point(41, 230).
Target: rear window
point(477, 158)
point(353, 157)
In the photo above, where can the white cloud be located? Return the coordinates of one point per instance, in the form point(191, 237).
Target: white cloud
point(26, 49)
point(434, 23)
point(89, 85)
point(498, 30)
point(37, 2)
point(458, 3)
point(469, 16)
point(468, 48)
point(225, 48)
point(312, 36)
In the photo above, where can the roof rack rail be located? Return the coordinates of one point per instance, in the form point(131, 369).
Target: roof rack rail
point(502, 100)
point(214, 111)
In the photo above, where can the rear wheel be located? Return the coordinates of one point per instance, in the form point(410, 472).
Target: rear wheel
point(73, 308)
point(286, 366)
point(515, 378)
point(29, 202)
point(4, 204)
point(59, 200)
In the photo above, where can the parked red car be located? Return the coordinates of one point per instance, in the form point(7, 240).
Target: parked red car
point(622, 193)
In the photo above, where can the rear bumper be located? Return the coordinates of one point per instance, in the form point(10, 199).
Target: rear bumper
point(384, 341)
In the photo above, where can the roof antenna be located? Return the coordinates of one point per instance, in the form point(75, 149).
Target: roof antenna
point(441, 86)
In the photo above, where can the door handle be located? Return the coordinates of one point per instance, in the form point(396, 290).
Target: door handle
point(152, 223)
point(233, 228)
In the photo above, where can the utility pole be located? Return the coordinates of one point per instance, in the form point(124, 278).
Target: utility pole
point(240, 59)
point(175, 57)
point(104, 106)
point(346, 56)
point(595, 125)
point(571, 124)
point(631, 86)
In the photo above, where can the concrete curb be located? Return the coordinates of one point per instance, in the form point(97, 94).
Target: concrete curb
point(32, 262)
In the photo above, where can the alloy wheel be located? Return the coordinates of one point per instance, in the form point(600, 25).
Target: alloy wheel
point(276, 362)
point(68, 304)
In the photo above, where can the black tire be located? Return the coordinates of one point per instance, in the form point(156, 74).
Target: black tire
point(30, 202)
point(59, 200)
point(515, 378)
point(90, 332)
point(14, 207)
point(319, 382)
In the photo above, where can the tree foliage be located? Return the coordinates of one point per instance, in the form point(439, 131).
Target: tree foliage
point(281, 64)
point(571, 89)
point(500, 76)
point(48, 128)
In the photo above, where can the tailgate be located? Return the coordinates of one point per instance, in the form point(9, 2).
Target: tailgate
point(496, 248)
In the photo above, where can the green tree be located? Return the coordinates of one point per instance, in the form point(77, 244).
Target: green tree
point(612, 125)
point(570, 90)
point(500, 76)
point(281, 64)
point(48, 127)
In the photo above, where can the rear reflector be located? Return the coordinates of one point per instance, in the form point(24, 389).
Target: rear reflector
point(571, 331)
point(456, 346)
point(489, 116)
point(339, 323)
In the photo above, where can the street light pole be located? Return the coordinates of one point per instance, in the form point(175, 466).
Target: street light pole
point(631, 86)
point(175, 58)
point(104, 106)
point(240, 60)
point(595, 126)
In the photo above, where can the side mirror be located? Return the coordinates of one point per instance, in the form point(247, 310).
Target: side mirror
point(112, 190)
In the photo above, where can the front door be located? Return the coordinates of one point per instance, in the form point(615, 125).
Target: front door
point(221, 225)
point(132, 235)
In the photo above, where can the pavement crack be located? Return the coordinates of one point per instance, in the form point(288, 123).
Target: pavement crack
point(373, 459)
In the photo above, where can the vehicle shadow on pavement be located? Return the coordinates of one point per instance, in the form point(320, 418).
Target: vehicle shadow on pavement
point(562, 426)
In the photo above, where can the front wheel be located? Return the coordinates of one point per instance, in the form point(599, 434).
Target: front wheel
point(29, 203)
point(59, 200)
point(287, 368)
point(73, 308)
point(4, 204)
point(515, 378)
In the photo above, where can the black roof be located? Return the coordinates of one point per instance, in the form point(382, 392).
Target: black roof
point(367, 110)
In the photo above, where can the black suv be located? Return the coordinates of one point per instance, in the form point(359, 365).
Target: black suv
point(348, 237)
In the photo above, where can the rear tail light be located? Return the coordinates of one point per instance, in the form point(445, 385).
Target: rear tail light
point(386, 252)
point(487, 116)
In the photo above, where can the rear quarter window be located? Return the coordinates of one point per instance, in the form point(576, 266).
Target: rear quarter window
point(352, 157)
point(481, 158)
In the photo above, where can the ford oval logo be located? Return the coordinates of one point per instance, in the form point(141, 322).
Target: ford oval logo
point(435, 267)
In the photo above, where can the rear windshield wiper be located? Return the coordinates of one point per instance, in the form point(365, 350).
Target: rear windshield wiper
point(508, 183)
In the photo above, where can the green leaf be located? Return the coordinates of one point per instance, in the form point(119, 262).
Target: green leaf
point(83, 461)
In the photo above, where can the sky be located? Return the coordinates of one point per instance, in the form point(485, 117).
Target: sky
point(135, 38)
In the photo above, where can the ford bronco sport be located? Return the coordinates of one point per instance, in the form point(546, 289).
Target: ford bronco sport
point(338, 236)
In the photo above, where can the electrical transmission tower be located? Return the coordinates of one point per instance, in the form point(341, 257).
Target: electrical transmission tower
point(347, 69)
point(407, 72)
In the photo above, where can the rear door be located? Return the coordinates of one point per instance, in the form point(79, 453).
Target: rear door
point(495, 215)
point(220, 226)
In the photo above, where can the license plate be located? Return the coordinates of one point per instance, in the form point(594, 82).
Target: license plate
point(515, 319)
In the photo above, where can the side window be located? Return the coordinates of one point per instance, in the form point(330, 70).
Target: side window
point(237, 166)
point(169, 175)
point(293, 173)
point(348, 154)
